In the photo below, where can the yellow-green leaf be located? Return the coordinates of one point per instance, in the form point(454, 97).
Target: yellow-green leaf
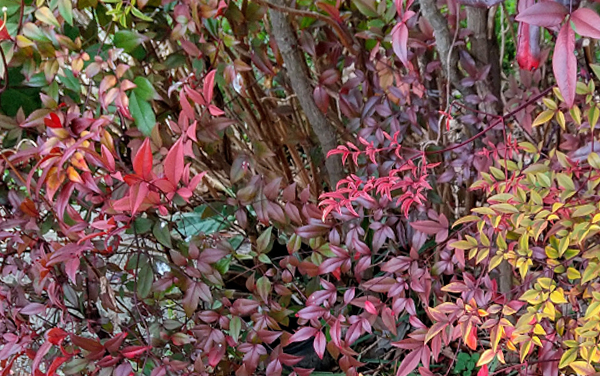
point(594, 160)
point(565, 182)
point(505, 208)
point(550, 103)
point(568, 357)
point(593, 115)
point(461, 244)
point(494, 262)
point(576, 115)
point(45, 15)
point(582, 368)
point(584, 210)
point(543, 118)
point(560, 118)
point(573, 273)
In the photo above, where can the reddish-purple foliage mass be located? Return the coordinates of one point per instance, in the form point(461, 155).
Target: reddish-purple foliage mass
point(212, 187)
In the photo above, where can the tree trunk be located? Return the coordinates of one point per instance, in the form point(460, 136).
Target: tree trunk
point(298, 73)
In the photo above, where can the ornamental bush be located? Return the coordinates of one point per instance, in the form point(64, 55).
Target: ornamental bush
point(259, 187)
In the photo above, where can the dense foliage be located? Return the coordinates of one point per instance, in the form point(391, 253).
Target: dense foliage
point(246, 187)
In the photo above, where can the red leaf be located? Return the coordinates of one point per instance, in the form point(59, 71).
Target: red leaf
point(56, 335)
point(215, 111)
point(303, 334)
point(400, 43)
point(41, 352)
point(54, 121)
point(387, 316)
point(87, 343)
point(321, 98)
point(174, 163)
point(564, 63)
point(410, 362)
point(319, 344)
point(142, 163)
point(528, 46)
point(483, 371)
point(329, 77)
point(131, 352)
point(370, 307)
point(114, 343)
point(3, 32)
point(546, 14)
point(209, 84)
point(586, 22)
point(57, 362)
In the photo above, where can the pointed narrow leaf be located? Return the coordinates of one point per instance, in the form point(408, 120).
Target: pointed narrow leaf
point(174, 163)
point(142, 163)
point(564, 63)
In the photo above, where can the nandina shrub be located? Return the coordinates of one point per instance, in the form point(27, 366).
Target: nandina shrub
point(161, 181)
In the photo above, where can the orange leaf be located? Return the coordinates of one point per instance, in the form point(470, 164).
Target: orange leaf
point(54, 181)
point(471, 338)
point(28, 207)
point(78, 161)
point(74, 175)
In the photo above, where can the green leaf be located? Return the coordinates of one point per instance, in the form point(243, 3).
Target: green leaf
point(142, 113)
point(144, 280)
point(235, 326)
point(366, 7)
point(596, 69)
point(75, 366)
point(565, 181)
point(584, 210)
point(142, 225)
point(127, 40)
point(65, 8)
point(263, 286)
point(162, 234)
point(263, 243)
point(144, 89)
point(70, 81)
point(12, 99)
point(136, 12)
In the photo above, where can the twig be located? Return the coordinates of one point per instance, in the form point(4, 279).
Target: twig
point(494, 124)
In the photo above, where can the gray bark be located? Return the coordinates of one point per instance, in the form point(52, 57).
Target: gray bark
point(443, 41)
point(485, 51)
point(297, 72)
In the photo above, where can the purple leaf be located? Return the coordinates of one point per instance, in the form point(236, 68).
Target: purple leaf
point(586, 22)
point(321, 98)
point(546, 14)
point(400, 43)
point(410, 362)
